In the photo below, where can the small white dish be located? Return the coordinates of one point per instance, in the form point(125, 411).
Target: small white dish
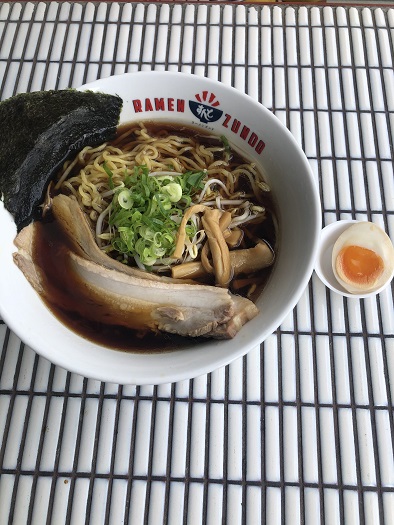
point(323, 266)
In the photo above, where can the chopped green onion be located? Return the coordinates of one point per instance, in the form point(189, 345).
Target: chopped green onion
point(125, 199)
point(110, 176)
point(147, 210)
point(174, 190)
point(226, 144)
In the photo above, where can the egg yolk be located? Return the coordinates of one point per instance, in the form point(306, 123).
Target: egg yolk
point(360, 265)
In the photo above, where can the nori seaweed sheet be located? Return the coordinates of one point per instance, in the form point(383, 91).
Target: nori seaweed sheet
point(41, 130)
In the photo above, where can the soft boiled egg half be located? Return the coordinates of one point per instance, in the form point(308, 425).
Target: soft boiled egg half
point(363, 258)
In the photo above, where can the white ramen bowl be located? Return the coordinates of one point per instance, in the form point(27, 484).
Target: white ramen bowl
point(248, 126)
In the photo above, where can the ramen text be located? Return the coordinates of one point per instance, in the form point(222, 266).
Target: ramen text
point(159, 104)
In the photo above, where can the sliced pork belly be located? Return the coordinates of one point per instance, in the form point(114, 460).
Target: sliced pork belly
point(23, 258)
point(183, 309)
point(244, 311)
point(114, 297)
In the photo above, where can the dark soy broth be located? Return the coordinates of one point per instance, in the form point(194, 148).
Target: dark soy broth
point(62, 287)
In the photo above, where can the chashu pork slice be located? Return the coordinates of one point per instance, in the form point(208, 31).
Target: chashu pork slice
point(244, 311)
point(183, 309)
point(23, 258)
point(116, 298)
